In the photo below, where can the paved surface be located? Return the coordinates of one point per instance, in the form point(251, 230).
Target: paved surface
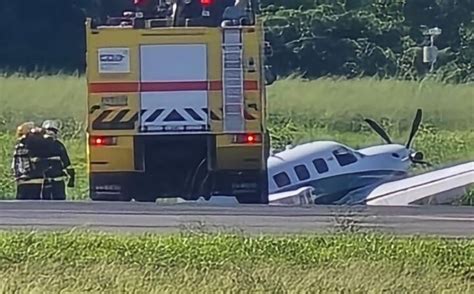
point(140, 217)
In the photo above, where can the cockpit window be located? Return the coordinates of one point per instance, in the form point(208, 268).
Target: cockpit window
point(344, 156)
point(281, 179)
point(320, 165)
point(302, 172)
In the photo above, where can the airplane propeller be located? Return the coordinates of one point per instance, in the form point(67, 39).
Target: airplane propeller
point(414, 127)
point(415, 157)
point(379, 130)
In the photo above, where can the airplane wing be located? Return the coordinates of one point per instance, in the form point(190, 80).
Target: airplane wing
point(301, 196)
point(357, 196)
point(439, 186)
point(367, 184)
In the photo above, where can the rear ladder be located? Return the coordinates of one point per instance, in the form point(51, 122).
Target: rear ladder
point(233, 84)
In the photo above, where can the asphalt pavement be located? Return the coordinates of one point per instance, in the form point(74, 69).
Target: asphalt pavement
point(149, 217)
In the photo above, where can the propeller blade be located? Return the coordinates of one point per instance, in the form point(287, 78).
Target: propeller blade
point(379, 130)
point(414, 127)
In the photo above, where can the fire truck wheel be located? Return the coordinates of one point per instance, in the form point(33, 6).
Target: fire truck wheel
point(261, 196)
point(143, 198)
point(252, 199)
point(113, 197)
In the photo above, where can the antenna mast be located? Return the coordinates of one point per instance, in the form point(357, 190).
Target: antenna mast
point(430, 53)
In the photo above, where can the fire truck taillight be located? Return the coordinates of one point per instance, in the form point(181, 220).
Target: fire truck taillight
point(207, 2)
point(103, 141)
point(247, 138)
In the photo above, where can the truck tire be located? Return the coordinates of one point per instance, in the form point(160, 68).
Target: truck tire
point(144, 195)
point(145, 199)
point(261, 196)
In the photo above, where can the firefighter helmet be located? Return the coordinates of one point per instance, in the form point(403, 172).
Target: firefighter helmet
point(24, 129)
point(51, 125)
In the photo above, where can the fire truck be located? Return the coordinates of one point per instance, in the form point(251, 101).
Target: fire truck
point(177, 103)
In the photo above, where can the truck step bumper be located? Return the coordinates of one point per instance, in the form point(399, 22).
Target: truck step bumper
point(112, 186)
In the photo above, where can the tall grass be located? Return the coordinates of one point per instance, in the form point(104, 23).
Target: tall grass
point(324, 102)
point(208, 263)
point(334, 102)
point(300, 111)
point(357, 277)
point(41, 97)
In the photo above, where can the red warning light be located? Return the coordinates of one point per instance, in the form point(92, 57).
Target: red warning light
point(100, 141)
point(247, 138)
point(207, 2)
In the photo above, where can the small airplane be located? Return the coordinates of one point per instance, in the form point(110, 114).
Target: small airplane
point(339, 174)
point(331, 173)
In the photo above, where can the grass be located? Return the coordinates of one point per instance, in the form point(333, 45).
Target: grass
point(340, 104)
point(206, 263)
point(299, 111)
point(105, 278)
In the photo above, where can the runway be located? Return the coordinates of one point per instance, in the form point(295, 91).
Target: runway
point(146, 217)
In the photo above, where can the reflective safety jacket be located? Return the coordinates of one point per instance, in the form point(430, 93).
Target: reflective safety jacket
point(58, 159)
point(28, 163)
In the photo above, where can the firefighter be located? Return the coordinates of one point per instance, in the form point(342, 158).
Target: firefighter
point(58, 162)
point(234, 11)
point(27, 168)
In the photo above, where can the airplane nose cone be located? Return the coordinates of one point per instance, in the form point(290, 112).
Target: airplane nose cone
point(417, 156)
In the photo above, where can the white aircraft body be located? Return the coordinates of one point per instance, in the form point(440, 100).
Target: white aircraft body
point(328, 172)
point(333, 169)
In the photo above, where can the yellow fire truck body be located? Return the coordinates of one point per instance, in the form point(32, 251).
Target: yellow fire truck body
point(176, 111)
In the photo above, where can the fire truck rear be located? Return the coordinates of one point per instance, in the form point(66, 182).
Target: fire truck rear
point(176, 99)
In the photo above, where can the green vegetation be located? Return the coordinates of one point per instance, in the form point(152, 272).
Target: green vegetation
point(206, 263)
point(299, 111)
point(315, 37)
point(339, 104)
point(370, 38)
